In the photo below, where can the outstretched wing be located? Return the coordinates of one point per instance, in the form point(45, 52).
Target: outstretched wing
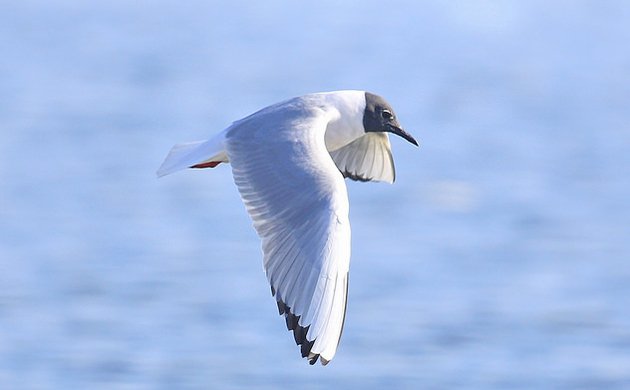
point(367, 158)
point(299, 206)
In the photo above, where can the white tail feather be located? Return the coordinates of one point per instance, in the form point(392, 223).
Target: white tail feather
point(187, 154)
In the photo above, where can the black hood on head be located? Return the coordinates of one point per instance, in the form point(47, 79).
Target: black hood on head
point(379, 116)
point(372, 116)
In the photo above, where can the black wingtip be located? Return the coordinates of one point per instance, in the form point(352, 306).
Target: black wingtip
point(292, 321)
point(282, 308)
point(355, 177)
point(306, 347)
point(299, 332)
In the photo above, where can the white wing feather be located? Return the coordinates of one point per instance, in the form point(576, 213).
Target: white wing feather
point(367, 158)
point(299, 206)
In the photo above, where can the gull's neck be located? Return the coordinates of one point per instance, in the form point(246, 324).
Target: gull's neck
point(346, 124)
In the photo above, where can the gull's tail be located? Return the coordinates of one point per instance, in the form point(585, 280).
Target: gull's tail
point(199, 154)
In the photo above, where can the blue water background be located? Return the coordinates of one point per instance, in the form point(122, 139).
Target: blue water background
point(500, 258)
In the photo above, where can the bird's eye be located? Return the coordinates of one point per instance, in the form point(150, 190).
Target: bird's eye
point(386, 114)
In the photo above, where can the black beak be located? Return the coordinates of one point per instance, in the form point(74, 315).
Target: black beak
point(402, 133)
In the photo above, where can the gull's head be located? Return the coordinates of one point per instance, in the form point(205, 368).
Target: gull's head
point(355, 113)
point(379, 116)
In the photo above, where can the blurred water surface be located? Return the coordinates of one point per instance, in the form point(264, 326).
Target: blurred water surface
point(499, 259)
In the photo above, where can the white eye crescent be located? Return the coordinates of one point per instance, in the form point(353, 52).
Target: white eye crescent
point(386, 114)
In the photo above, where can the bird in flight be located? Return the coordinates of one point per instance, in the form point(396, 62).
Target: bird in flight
point(289, 161)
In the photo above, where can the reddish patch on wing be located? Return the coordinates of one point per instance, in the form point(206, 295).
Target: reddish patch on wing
point(210, 164)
